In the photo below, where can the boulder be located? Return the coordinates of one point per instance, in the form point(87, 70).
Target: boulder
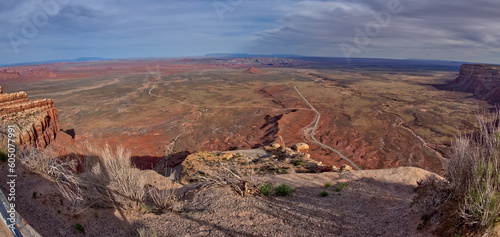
point(334, 168)
point(289, 152)
point(345, 168)
point(301, 147)
point(275, 145)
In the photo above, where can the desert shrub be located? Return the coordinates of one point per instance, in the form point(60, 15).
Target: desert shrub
point(45, 162)
point(145, 232)
point(3, 142)
point(266, 189)
point(473, 173)
point(164, 199)
point(298, 162)
point(327, 185)
point(124, 178)
point(340, 187)
point(242, 182)
point(37, 161)
point(79, 228)
point(283, 190)
point(324, 194)
point(3, 155)
point(432, 192)
point(109, 177)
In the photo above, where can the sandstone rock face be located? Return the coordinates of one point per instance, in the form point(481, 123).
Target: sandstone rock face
point(481, 80)
point(37, 120)
point(301, 147)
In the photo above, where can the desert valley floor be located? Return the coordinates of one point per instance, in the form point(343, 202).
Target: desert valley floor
point(381, 116)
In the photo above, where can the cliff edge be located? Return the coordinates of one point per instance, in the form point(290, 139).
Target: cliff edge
point(479, 79)
point(36, 120)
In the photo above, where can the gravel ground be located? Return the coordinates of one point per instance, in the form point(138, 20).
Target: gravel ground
point(374, 203)
point(365, 207)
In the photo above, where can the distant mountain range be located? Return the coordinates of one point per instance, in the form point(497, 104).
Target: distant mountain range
point(81, 59)
point(245, 55)
point(334, 60)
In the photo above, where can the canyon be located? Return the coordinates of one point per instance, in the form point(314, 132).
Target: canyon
point(246, 112)
point(380, 114)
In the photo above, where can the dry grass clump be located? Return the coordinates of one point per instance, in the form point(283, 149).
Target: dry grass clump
point(45, 163)
point(471, 195)
point(109, 178)
point(474, 174)
point(106, 178)
point(242, 182)
point(432, 192)
point(164, 198)
point(145, 232)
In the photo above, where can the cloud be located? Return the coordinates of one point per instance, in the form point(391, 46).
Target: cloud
point(446, 29)
point(424, 29)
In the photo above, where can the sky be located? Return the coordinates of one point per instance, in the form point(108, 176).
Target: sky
point(456, 30)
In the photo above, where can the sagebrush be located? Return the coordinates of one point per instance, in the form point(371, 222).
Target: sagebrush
point(470, 193)
point(474, 173)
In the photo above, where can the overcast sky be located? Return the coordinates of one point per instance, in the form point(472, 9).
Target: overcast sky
point(39, 30)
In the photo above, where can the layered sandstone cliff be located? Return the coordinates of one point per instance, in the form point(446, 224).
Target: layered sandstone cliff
point(481, 80)
point(37, 121)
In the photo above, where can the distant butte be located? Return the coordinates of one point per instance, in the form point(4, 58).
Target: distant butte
point(253, 70)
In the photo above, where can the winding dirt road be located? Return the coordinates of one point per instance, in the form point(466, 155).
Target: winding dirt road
point(314, 130)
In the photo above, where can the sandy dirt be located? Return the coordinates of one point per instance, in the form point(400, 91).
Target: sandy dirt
point(374, 203)
point(4, 231)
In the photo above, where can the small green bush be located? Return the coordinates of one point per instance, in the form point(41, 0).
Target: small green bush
point(265, 189)
point(340, 186)
point(3, 155)
point(147, 207)
point(283, 190)
point(328, 185)
point(79, 228)
point(324, 194)
point(298, 162)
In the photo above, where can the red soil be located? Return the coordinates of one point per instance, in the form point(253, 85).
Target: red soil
point(254, 128)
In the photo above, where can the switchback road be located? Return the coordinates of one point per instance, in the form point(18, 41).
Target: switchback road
point(314, 130)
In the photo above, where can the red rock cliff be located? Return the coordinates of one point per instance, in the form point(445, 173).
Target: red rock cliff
point(37, 120)
point(481, 80)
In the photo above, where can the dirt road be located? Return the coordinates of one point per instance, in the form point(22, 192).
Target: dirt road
point(314, 130)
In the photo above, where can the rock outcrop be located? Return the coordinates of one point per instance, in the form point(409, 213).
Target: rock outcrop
point(301, 147)
point(253, 70)
point(481, 80)
point(37, 120)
